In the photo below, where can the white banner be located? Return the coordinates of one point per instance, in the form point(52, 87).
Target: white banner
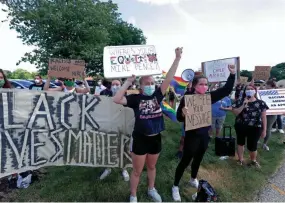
point(275, 100)
point(124, 61)
point(52, 128)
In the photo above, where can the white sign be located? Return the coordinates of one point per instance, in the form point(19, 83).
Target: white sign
point(124, 61)
point(275, 100)
point(217, 70)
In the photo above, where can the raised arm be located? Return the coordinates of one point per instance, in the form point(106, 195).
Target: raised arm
point(47, 84)
point(119, 97)
point(226, 89)
point(86, 89)
point(170, 74)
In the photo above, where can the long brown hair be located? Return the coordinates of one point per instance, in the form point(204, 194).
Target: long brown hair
point(7, 84)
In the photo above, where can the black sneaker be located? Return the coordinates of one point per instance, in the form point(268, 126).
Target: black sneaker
point(239, 162)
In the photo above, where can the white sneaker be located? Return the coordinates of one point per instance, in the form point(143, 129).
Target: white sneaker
point(281, 131)
point(125, 175)
point(133, 199)
point(194, 183)
point(265, 147)
point(175, 194)
point(105, 173)
point(273, 130)
point(153, 194)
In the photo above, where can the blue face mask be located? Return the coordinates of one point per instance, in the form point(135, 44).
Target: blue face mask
point(149, 90)
point(250, 93)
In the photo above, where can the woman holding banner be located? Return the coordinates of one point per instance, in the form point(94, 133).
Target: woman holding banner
point(149, 123)
point(196, 141)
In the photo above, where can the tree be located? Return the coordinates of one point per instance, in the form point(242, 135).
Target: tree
point(70, 29)
point(278, 71)
point(246, 73)
point(21, 74)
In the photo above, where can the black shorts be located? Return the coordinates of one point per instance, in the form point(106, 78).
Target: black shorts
point(142, 144)
point(250, 134)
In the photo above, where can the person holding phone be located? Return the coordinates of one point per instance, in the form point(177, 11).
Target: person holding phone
point(250, 123)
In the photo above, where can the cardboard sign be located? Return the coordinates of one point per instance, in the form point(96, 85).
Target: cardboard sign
point(275, 100)
point(217, 70)
point(243, 80)
point(200, 111)
point(124, 61)
point(129, 92)
point(66, 68)
point(262, 73)
point(40, 129)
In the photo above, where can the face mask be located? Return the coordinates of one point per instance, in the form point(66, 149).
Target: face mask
point(115, 88)
point(2, 82)
point(99, 83)
point(37, 81)
point(69, 83)
point(134, 87)
point(149, 90)
point(201, 89)
point(250, 93)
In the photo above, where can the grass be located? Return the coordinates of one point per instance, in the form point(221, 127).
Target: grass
point(232, 182)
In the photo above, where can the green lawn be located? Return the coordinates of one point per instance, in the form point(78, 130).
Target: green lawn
point(232, 182)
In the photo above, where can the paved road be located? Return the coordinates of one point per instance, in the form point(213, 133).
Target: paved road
point(275, 189)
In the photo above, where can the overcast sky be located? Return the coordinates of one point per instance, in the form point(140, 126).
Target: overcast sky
point(207, 29)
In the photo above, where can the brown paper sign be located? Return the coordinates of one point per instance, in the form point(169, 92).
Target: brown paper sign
point(129, 92)
point(66, 68)
point(262, 72)
point(243, 80)
point(200, 111)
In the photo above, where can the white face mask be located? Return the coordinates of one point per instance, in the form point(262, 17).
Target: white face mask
point(134, 87)
point(99, 83)
point(115, 88)
point(37, 81)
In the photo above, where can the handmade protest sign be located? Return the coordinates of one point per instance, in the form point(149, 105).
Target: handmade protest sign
point(217, 70)
point(66, 68)
point(53, 129)
point(124, 61)
point(200, 111)
point(275, 100)
point(262, 72)
point(243, 80)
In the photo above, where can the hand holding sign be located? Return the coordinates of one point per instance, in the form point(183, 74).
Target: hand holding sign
point(178, 52)
point(185, 111)
point(232, 69)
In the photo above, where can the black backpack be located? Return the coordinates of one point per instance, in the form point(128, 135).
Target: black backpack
point(206, 192)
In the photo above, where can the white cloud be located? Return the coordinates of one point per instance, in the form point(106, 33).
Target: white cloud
point(132, 20)
point(160, 2)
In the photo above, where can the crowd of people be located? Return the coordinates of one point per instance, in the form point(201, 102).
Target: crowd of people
point(252, 124)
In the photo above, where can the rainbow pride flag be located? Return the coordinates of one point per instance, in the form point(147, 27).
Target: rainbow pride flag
point(168, 111)
point(178, 84)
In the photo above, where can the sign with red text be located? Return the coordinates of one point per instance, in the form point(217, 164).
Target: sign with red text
point(217, 70)
point(125, 61)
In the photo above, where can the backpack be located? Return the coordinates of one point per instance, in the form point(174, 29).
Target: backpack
point(206, 192)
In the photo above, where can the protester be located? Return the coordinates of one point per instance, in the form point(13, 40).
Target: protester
point(99, 88)
point(271, 119)
point(38, 85)
point(4, 82)
point(180, 150)
point(196, 141)
point(250, 123)
point(171, 97)
point(111, 89)
point(67, 86)
point(149, 123)
point(278, 124)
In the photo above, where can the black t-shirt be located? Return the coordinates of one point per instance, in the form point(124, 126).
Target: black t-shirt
point(250, 115)
point(107, 93)
point(148, 113)
point(37, 87)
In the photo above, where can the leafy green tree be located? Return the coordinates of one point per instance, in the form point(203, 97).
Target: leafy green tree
point(246, 73)
point(20, 74)
point(77, 29)
point(278, 71)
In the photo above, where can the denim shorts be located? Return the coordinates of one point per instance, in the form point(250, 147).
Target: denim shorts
point(217, 122)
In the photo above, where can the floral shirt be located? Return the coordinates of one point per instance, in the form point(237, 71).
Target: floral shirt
point(251, 114)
